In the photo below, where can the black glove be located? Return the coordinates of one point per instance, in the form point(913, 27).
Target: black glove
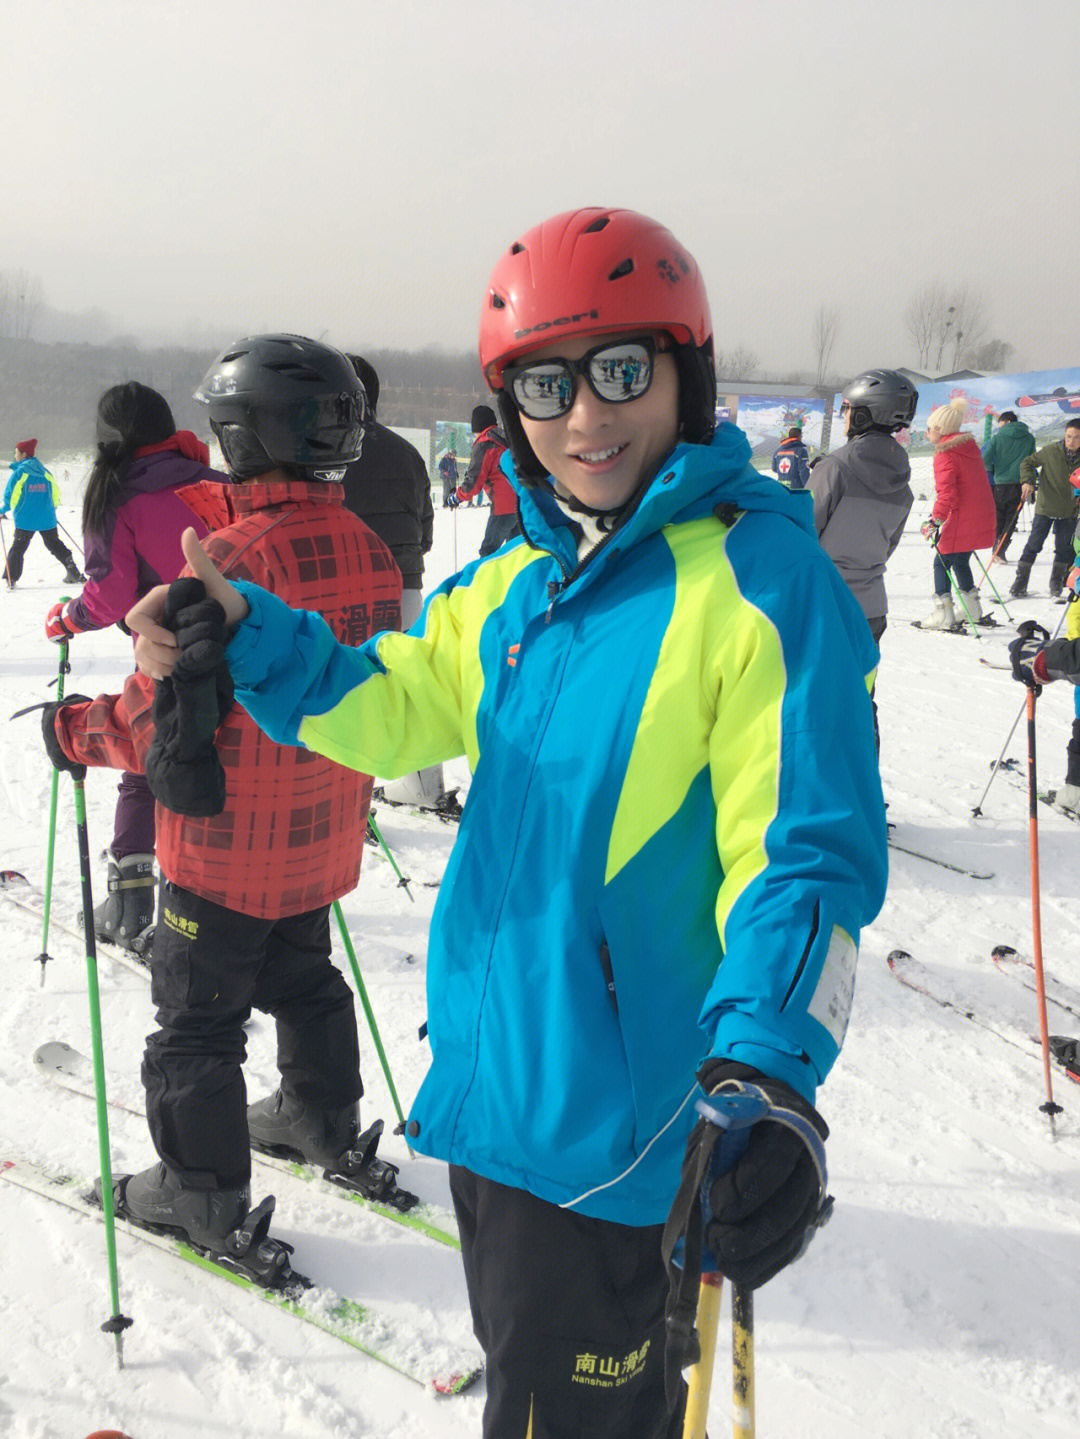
point(59, 759)
point(182, 766)
point(1028, 660)
point(762, 1211)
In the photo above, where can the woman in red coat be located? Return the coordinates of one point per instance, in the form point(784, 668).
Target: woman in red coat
point(963, 519)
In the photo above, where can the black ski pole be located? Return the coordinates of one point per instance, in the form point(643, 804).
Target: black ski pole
point(3, 543)
point(1049, 1108)
point(117, 1322)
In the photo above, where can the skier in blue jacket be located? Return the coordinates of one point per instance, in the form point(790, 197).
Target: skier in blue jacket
point(673, 836)
point(32, 495)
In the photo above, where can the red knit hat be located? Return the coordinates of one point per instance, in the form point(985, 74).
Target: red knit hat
point(27, 446)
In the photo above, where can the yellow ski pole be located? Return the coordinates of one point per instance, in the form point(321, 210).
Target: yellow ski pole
point(742, 1362)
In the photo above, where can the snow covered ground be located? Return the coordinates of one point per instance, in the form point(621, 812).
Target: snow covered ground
point(941, 1299)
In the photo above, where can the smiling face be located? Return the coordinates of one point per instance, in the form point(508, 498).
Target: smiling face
point(601, 452)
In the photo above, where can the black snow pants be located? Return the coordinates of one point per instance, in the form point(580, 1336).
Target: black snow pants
point(210, 967)
point(570, 1314)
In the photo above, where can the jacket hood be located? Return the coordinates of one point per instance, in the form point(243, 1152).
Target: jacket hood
point(165, 471)
point(691, 482)
point(883, 465)
point(33, 466)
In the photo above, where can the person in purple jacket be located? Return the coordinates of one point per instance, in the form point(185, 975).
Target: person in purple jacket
point(134, 512)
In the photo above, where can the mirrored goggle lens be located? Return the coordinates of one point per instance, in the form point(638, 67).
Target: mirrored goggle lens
point(616, 373)
point(544, 390)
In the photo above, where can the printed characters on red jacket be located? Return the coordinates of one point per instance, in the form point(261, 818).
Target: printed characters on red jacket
point(964, 499)
point(290, 837)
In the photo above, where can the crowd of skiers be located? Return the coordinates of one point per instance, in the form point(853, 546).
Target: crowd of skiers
point(627, 678)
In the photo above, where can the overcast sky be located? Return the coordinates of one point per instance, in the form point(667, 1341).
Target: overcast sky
point(354, 170)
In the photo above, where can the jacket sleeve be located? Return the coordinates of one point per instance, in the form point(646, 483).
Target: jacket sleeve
point(54, 488)
point(800, 825)
point(1063, 660)
point(386, 707)
point(947, 498)
point(988, 456)
point(113, 584)
point(427, 513)
point(112, 731)
point(824, 485)
point(1029, 467)
point(11, 499)
point(473, 482)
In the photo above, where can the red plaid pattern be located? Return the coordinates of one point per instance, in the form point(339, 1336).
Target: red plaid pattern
point(291, 835)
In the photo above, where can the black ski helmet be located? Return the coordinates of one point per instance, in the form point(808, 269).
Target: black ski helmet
point(283, 400)
point(880, 400)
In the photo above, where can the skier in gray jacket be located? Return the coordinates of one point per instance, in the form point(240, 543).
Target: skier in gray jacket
point(862, 493)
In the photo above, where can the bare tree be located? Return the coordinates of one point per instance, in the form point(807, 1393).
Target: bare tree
point(823, 336)
point(25, 296)
point(738, 364)
point(923, 318)
point(968, 316)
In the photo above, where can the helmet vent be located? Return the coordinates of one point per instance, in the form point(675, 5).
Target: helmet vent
point(517, 248)
point(231, 356)
point(626, 268)
point(303, 373)
point(497, 301)
point(598, 224)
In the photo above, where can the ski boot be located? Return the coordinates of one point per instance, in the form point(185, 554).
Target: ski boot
point(1018, 589)
point(943, 616)
point(126, 917)
point(73, 577)
point(1067, 799)
point(412, 792)
point(216, 1222)
point(975, 609)
point(1057, 579)
point(329, 1140)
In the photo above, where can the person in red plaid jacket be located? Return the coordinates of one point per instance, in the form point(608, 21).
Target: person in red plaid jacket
point(245, 896)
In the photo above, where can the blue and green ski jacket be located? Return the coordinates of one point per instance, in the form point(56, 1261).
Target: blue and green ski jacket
point(674, 831)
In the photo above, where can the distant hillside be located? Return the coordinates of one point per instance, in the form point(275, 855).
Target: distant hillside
point(51, 390)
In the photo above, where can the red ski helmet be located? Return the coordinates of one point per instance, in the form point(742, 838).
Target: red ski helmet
point(598, 272)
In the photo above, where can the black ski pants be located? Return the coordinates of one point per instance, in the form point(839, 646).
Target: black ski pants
point(210, 967)
point(1063, 533)
point(570, 1314)
point(49, 538)
point(1007, 506)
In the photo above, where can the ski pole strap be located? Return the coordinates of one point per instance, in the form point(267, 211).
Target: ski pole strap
point(727, 1117)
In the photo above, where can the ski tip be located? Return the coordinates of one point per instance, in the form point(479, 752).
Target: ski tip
point(457, 1381)
point(108, 1434)
point(1003, 951)
point(897, 956)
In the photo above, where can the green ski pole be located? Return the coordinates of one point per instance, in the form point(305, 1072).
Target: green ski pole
point(990, 582)
point(117, 1322)
point(377, 832)
point(361, 989)
point(44, 957)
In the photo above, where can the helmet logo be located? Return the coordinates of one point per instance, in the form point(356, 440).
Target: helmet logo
point(667, 269)
point(220, 385)
point(551, 324)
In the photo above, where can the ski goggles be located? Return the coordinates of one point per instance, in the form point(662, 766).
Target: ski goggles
point(617, 371)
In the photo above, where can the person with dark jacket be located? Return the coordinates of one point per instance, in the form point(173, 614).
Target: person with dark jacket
point(1010, 443)
point(248, 881)
point(389, 489)
point(135, 509)
point(33, 495)
point(1045, 475)
point(791, 461)
point(862, 493)
point(963, 518)
point(485, 472)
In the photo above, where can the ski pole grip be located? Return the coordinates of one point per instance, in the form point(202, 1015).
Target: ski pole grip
point(735, 1111)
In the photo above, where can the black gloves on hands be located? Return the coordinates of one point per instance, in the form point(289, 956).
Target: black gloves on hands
point(59, 759)
point(182, 766)
point(761, 1211)
point(1028, 662)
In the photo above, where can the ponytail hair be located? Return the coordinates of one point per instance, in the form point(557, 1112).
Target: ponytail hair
point(129, 416)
